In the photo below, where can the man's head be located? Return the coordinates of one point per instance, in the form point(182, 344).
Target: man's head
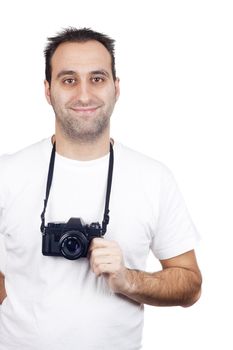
point(81, 83)
point(79, 36)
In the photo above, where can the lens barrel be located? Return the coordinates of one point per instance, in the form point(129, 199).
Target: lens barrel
point(73, 245)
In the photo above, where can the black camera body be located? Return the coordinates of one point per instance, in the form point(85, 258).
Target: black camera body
point(70, 240)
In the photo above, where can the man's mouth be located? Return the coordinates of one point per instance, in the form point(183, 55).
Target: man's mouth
point(84, 110)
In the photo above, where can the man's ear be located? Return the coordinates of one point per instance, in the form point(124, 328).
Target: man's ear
point(47, 91)
point(117, 88)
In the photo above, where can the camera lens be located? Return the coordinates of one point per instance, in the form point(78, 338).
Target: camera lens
point(73, 245)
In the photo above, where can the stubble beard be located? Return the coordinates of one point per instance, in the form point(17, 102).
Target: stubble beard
point(83, 131)
point(83, 128)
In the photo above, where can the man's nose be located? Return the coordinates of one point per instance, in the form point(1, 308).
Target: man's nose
point(83, 92)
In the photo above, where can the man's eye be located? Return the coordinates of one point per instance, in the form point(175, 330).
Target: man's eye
point(69, 81)
point(97, 80)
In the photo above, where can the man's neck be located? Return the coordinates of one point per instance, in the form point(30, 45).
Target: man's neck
point(82, 151)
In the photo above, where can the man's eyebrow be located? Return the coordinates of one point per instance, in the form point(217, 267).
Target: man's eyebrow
point(72, 72)
point(65, 72)
point(101, 72)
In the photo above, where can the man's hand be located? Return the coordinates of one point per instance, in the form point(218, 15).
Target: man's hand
point(106, 259)
point(2, 288)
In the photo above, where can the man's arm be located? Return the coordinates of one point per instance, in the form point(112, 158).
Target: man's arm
point(179, 283)
point(2, 288)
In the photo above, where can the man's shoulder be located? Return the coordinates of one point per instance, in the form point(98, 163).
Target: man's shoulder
point(28, 156)
point(136, 159)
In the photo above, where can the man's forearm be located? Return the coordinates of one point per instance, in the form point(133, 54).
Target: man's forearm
point(2, 288)
point(170, 287)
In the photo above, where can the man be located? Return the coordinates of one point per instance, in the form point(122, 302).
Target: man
point(93, 300)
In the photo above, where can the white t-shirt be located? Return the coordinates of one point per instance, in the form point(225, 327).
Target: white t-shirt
point(55, 303)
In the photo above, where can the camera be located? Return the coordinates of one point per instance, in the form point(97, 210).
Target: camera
point(70, 240)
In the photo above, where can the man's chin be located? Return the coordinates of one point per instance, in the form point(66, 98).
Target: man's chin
point(84, 129)
point(85, 135)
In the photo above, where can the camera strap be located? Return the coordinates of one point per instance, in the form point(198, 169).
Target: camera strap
point(108, 192)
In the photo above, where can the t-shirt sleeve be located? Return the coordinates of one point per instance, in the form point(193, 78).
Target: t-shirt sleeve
point(2, 246)
point(2, 255)
point(175, 233)
point(1, 191)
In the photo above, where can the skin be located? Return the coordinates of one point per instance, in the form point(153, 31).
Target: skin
point(83, 94)
point(2, 288)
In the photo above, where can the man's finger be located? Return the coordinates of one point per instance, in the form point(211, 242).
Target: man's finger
point(101, 243)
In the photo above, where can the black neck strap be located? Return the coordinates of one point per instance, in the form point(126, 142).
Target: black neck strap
point(108, 192)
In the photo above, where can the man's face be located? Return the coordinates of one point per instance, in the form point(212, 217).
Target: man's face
point(82, 90)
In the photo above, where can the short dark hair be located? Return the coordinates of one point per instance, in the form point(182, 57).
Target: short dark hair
point(72, 34)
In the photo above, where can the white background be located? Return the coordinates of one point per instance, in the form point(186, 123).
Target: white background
point(174, 59)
